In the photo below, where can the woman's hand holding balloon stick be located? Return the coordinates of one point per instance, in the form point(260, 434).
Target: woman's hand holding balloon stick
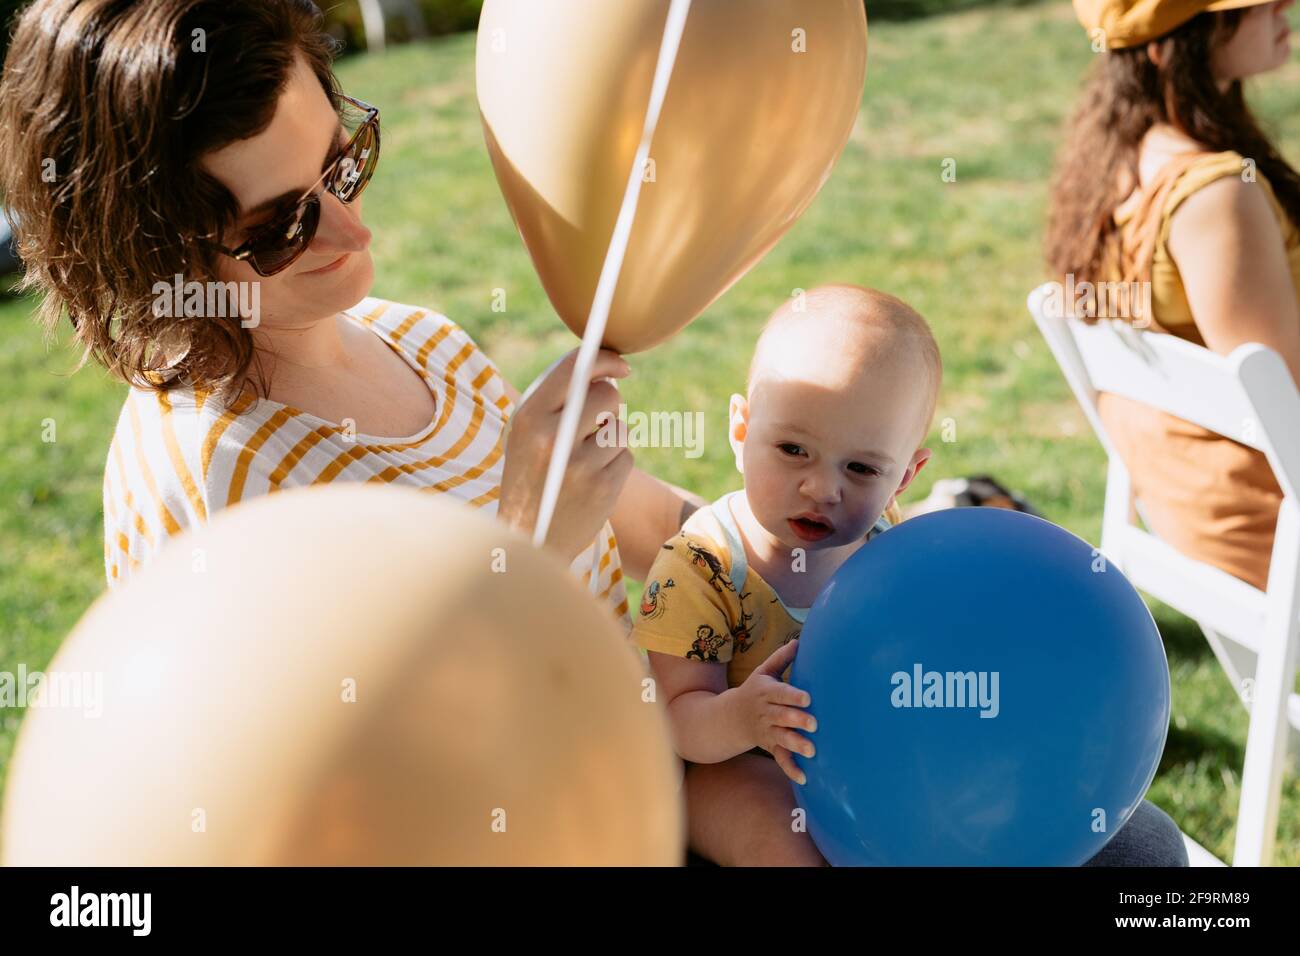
point(596, 470)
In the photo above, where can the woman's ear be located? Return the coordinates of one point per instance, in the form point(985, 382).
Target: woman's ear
point(738, 428)
point(1156, 53)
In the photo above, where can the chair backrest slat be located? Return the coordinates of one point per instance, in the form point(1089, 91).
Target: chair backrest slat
point(1248, 396)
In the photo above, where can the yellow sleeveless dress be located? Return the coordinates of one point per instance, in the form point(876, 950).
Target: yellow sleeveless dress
point(1212, 498)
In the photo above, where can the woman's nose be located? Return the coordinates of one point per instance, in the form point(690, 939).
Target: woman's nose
point(340, 229)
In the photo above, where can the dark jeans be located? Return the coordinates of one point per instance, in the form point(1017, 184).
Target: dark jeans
point(1149, 838)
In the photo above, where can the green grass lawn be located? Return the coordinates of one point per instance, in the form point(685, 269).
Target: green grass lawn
point(987, 88)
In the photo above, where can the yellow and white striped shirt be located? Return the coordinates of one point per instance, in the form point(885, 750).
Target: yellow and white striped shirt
point(178, 456)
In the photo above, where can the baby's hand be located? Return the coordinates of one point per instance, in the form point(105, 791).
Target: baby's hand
point(770, 709)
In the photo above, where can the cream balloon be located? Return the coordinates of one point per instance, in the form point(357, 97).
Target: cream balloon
point(762, 100)
point(348, 675)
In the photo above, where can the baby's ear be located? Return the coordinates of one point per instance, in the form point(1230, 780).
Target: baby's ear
point(738, 428)
point(919, 458)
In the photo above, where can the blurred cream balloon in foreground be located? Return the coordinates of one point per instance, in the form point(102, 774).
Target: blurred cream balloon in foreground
point(338, 676)
point(762, 99)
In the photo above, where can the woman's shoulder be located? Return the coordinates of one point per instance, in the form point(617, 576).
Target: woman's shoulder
point(153, 487)
point(1219, 185)
point(1223, 198)
point(174, 448)
point(155, 474)
point(389, 315)
point(1202, 165)
point(438, 346)
point(150, 418)
point(430, 338)
point(186, 414)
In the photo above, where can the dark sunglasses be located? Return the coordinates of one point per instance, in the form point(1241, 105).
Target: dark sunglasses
point(278, 244)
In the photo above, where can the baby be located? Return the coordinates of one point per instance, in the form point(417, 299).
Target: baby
point(842, 389)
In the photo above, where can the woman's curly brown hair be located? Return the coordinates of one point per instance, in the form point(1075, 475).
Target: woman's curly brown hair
point(1127, 94)
point(106, 107)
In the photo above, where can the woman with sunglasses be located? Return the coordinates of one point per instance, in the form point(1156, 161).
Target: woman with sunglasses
point(204, 145)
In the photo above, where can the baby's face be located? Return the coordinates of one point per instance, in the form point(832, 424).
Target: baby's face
point(823, 459)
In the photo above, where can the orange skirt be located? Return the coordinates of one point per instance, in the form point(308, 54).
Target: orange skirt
point(1212, 498)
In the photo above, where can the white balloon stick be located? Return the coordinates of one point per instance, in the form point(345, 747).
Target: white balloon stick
point(609, 273)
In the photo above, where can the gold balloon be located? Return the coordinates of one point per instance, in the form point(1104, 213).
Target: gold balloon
point(761, 103)
point(345, 675)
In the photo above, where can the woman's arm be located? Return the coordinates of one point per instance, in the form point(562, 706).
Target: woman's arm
point(1228, 246)
point(648, 513)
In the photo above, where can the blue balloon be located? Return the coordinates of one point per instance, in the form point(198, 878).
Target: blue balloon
point(988, 691)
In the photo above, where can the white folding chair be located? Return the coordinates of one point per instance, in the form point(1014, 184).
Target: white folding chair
point(1250, 397)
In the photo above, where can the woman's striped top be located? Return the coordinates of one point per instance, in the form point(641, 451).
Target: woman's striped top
point(178, 456)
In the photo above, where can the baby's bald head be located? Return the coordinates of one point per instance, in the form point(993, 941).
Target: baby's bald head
point(836, 334)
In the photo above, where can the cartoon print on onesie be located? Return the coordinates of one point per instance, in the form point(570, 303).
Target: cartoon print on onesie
point(654, 601)
point(707, 560)
point(707, 644)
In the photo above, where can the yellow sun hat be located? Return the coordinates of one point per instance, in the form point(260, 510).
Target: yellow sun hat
point(1128, 23)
